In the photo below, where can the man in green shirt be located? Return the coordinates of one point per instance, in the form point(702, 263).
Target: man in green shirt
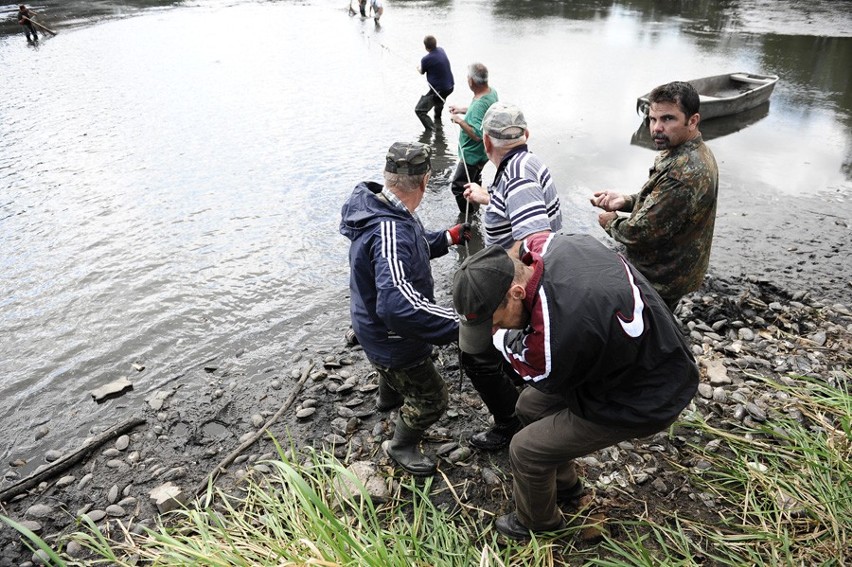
point(471, 148)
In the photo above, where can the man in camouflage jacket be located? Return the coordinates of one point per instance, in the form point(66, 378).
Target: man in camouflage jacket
point(670, 228)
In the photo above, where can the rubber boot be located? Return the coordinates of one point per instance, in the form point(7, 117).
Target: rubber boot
point(403, 449)
point(388, 398)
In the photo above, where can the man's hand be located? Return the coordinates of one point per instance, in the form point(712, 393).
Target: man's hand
point(457, 109)
point(608, 200)
point(606, 218)
point(459, 234)
point(476, 194)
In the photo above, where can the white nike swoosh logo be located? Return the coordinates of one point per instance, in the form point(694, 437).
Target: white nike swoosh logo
point(635, 325)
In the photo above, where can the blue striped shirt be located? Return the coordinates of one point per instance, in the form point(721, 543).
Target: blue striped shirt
point(523, 200)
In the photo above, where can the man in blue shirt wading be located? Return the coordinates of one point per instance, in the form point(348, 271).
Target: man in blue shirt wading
point(439, 75)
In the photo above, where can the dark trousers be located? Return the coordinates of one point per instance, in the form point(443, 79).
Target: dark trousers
point(490, 375)
point(426, 103)
point(543, 453)
point(460, 179)
point(30, 29)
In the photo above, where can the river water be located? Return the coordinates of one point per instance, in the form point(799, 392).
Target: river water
point(171, 174)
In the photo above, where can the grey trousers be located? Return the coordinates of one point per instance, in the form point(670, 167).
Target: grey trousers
point(543, 453)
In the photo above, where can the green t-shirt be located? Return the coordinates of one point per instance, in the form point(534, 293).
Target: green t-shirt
point(473, 151)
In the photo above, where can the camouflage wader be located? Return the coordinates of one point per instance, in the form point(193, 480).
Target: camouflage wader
point(424, 391)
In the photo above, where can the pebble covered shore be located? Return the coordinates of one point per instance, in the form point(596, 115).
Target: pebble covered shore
point(737, 329)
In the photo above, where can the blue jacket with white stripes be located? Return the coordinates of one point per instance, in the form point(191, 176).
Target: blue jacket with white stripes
point(392, 301)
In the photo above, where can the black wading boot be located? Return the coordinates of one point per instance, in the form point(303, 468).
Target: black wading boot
point(498, 436)
point(404, 449)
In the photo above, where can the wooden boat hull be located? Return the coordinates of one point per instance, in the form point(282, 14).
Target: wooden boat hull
point(723, 95)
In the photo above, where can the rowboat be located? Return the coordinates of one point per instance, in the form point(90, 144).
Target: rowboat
point(722, 95)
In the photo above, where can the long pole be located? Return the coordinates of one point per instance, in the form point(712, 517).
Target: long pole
point(48, 30)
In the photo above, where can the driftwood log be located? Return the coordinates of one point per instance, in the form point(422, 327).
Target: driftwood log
point(220, 468)
point(68, 460)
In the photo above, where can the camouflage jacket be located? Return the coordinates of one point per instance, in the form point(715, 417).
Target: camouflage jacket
point(670, 228)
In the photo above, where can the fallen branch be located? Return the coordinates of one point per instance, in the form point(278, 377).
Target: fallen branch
point(65, 462)
point(220, 468)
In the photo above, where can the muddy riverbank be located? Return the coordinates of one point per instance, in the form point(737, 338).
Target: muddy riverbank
point(738, 328)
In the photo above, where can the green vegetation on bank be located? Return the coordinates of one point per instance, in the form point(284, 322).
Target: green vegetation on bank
point(777, 495)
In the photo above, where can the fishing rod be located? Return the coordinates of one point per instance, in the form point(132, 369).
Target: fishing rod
point(45, 28)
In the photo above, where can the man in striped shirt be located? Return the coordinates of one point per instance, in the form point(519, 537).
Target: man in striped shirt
point(521, 201)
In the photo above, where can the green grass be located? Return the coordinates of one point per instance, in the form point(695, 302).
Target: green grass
point(782, 492)
point(782, 495)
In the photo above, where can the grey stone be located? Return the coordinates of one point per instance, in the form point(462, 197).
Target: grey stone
point(745, 334)
point(95, 515)
point(756, 412)
point(84, 481)
point(716, 372)
point(38, 511)
point(75, 550)
point(112, 389)
point(305, 413)
point(122, 442)
point(366, 473)
point(40, 557)
point(32, 525)
point(112, 495)
point(460, 454)
point(158, 399)
point(175, 473)
point(115, 511)
point(65, 481)
point(167, 497)
point(52, 455)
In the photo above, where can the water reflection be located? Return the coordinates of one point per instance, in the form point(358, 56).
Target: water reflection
point(820, 17)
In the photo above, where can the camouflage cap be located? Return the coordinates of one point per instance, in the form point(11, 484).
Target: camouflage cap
point(504, 121)
point(408, 158)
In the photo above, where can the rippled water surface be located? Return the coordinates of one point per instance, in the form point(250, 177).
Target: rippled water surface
point(171, 175)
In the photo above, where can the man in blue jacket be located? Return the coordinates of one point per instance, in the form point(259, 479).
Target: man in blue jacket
point(392, 305)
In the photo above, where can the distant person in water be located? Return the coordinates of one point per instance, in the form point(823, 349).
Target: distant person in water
point(376, 9)
point(25, 18)
point(436, 66)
